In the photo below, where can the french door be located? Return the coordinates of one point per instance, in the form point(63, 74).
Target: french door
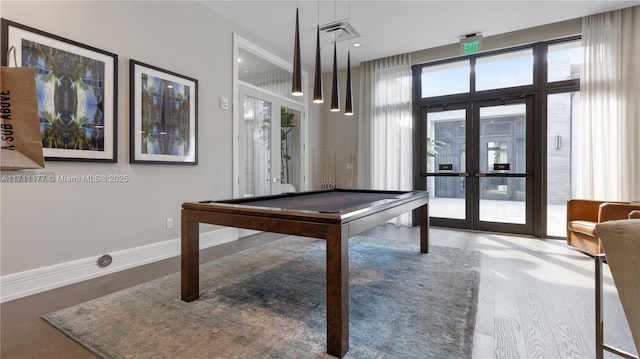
point(477, 164)
point(269, 143)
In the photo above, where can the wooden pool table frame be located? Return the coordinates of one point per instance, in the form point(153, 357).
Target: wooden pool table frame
point(334, 228)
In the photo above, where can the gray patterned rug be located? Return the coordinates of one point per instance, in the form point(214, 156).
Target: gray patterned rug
point(269, 302)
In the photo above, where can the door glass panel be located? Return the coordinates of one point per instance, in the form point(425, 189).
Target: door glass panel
point(563, 119)
point(504, 70)
point(289, 149)
point(446, 141)
point(503, 150)
point(446, 154)
point(564, 61)
point(503, 139)
point(255, 147)
point(446, 79)
point(502, 199)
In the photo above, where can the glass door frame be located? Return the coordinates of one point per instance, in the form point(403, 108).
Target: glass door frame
point(530, 205)
point(472, 175)
point(466, 222)
point(277, 102)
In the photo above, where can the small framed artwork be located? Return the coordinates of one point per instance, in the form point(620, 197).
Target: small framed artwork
point(164, 116)
point(76, 87)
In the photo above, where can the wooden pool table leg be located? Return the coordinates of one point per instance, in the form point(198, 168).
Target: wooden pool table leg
point(338, 292)
point(424, 229)
point(190, 258)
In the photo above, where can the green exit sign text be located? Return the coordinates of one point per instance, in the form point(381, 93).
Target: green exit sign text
point(470, 44)
point(471, 47)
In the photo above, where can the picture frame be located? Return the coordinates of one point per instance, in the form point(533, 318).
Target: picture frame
point(164, 116)
point(76, 87)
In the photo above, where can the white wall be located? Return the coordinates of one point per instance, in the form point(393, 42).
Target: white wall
point(49, 225)
point(339, 132)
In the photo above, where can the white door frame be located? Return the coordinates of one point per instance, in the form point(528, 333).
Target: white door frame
point(239, 42)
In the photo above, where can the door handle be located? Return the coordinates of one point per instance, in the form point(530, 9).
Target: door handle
point(463, 174)
point(275, 180)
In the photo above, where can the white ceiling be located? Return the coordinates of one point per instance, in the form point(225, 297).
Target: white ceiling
point(394, 27)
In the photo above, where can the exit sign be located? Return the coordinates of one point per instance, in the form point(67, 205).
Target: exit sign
point(470, 44)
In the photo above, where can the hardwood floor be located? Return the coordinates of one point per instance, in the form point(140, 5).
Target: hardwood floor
point(536, 299)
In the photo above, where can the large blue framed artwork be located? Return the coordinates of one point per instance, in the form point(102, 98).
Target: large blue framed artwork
point(76, 86)
point(164, 116)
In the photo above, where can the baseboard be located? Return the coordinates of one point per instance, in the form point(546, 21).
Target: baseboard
point(22, 284)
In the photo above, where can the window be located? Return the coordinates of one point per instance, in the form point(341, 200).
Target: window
point(563, 121)
point(446, 79)
point(564, 61)
point(548, 73)
point(504, 70)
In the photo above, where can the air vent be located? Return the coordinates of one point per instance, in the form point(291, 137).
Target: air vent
point(339, 31)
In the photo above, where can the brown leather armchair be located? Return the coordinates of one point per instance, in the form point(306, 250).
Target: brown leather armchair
point(582, 217)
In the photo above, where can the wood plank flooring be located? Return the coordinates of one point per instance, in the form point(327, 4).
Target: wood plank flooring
point(536, 299)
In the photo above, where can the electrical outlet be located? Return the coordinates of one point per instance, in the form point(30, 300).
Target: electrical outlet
point(169, 223)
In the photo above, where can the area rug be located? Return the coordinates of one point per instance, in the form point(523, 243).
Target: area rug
point(269, 302)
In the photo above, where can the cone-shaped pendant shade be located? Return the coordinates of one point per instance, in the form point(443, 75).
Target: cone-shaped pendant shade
point(296, 87)
point(335, 92)
point(348, 103)
point(317, 88)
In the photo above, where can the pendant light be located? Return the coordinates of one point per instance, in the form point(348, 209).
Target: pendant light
point(296, 83)
point(335, 91)
point(348, 104)
point(318, 96)
point(317, 88)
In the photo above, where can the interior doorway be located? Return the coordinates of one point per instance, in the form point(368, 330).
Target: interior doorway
point(269, 125)
point(269, 144)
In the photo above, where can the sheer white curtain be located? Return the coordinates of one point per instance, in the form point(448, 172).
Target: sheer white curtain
point(609, 160)
point(385, 141)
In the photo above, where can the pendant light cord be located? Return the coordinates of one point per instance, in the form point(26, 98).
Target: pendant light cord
point(349, 21)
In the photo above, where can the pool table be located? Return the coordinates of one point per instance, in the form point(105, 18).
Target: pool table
point(333, 215)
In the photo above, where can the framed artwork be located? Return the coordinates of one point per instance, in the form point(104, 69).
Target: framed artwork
point(76, 86)
point(164, 116)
